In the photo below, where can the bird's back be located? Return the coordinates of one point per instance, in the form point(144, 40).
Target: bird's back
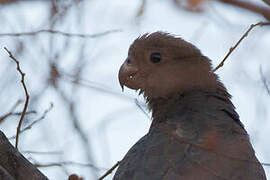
point(163, 156)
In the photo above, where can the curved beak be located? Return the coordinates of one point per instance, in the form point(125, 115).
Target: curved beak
point(126, 73)
point(121, 76)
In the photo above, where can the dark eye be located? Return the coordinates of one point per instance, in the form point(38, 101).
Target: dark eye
point(155, 57)
point(128, 61)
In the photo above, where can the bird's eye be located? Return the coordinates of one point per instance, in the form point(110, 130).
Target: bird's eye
point(128, 61)
point(155, 57)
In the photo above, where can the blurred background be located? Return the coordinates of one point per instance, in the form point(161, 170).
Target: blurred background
point(78, 120)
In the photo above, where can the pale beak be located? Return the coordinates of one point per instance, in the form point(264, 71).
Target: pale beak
point(126, 73)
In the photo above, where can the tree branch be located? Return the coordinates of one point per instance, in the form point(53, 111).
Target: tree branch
point(65, 163)
point(35, 121)
point(266, 2)
point(26, 95)
point(239, 41)
point(264, 81)
point(110, 170)
point(33, 33)
point(265, 11)
point(3, 117)
point(15, 164)
point(265, 164)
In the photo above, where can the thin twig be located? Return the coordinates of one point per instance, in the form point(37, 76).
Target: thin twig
point(266, 2)
point(141, 9)
point(264, 81)
point(35, 121)
point(141, 108)
point(240, 40)
point(3, 117)
point(26, 95)
point(110, 170)
point(77, 126)
point(39, 119)
point(65, 163)
point(32, 33)
point(95, 86)
point(43, 153)
point(265, 164)
point(250, 6)
point(10, 112)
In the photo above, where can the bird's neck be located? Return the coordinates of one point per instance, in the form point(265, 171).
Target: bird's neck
point(166, 109)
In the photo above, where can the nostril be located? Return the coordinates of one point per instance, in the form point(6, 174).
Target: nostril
point(128, 61)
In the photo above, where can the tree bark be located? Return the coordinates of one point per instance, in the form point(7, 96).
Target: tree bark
point(13, 165)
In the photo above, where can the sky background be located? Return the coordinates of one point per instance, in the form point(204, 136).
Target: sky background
point(110, 119)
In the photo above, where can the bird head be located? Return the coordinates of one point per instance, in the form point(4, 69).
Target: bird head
point(160, 64)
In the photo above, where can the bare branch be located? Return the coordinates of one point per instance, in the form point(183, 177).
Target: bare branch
point(141, 9)
point(141, 108)
point(15, 163)
point(110, 170)
point(33, 33)
point(239, 41)
point(65, 163)
point(35, 121)
point(264, 81)
point(77, 126)
point(95, 86)
point(250, 6)
point(43, 153)
point(3, 117)
point(26, 95)
point(265, 164)
point(267, 2)
point(20, 113)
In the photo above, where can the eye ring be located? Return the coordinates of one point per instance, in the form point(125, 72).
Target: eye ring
point(155, 57)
